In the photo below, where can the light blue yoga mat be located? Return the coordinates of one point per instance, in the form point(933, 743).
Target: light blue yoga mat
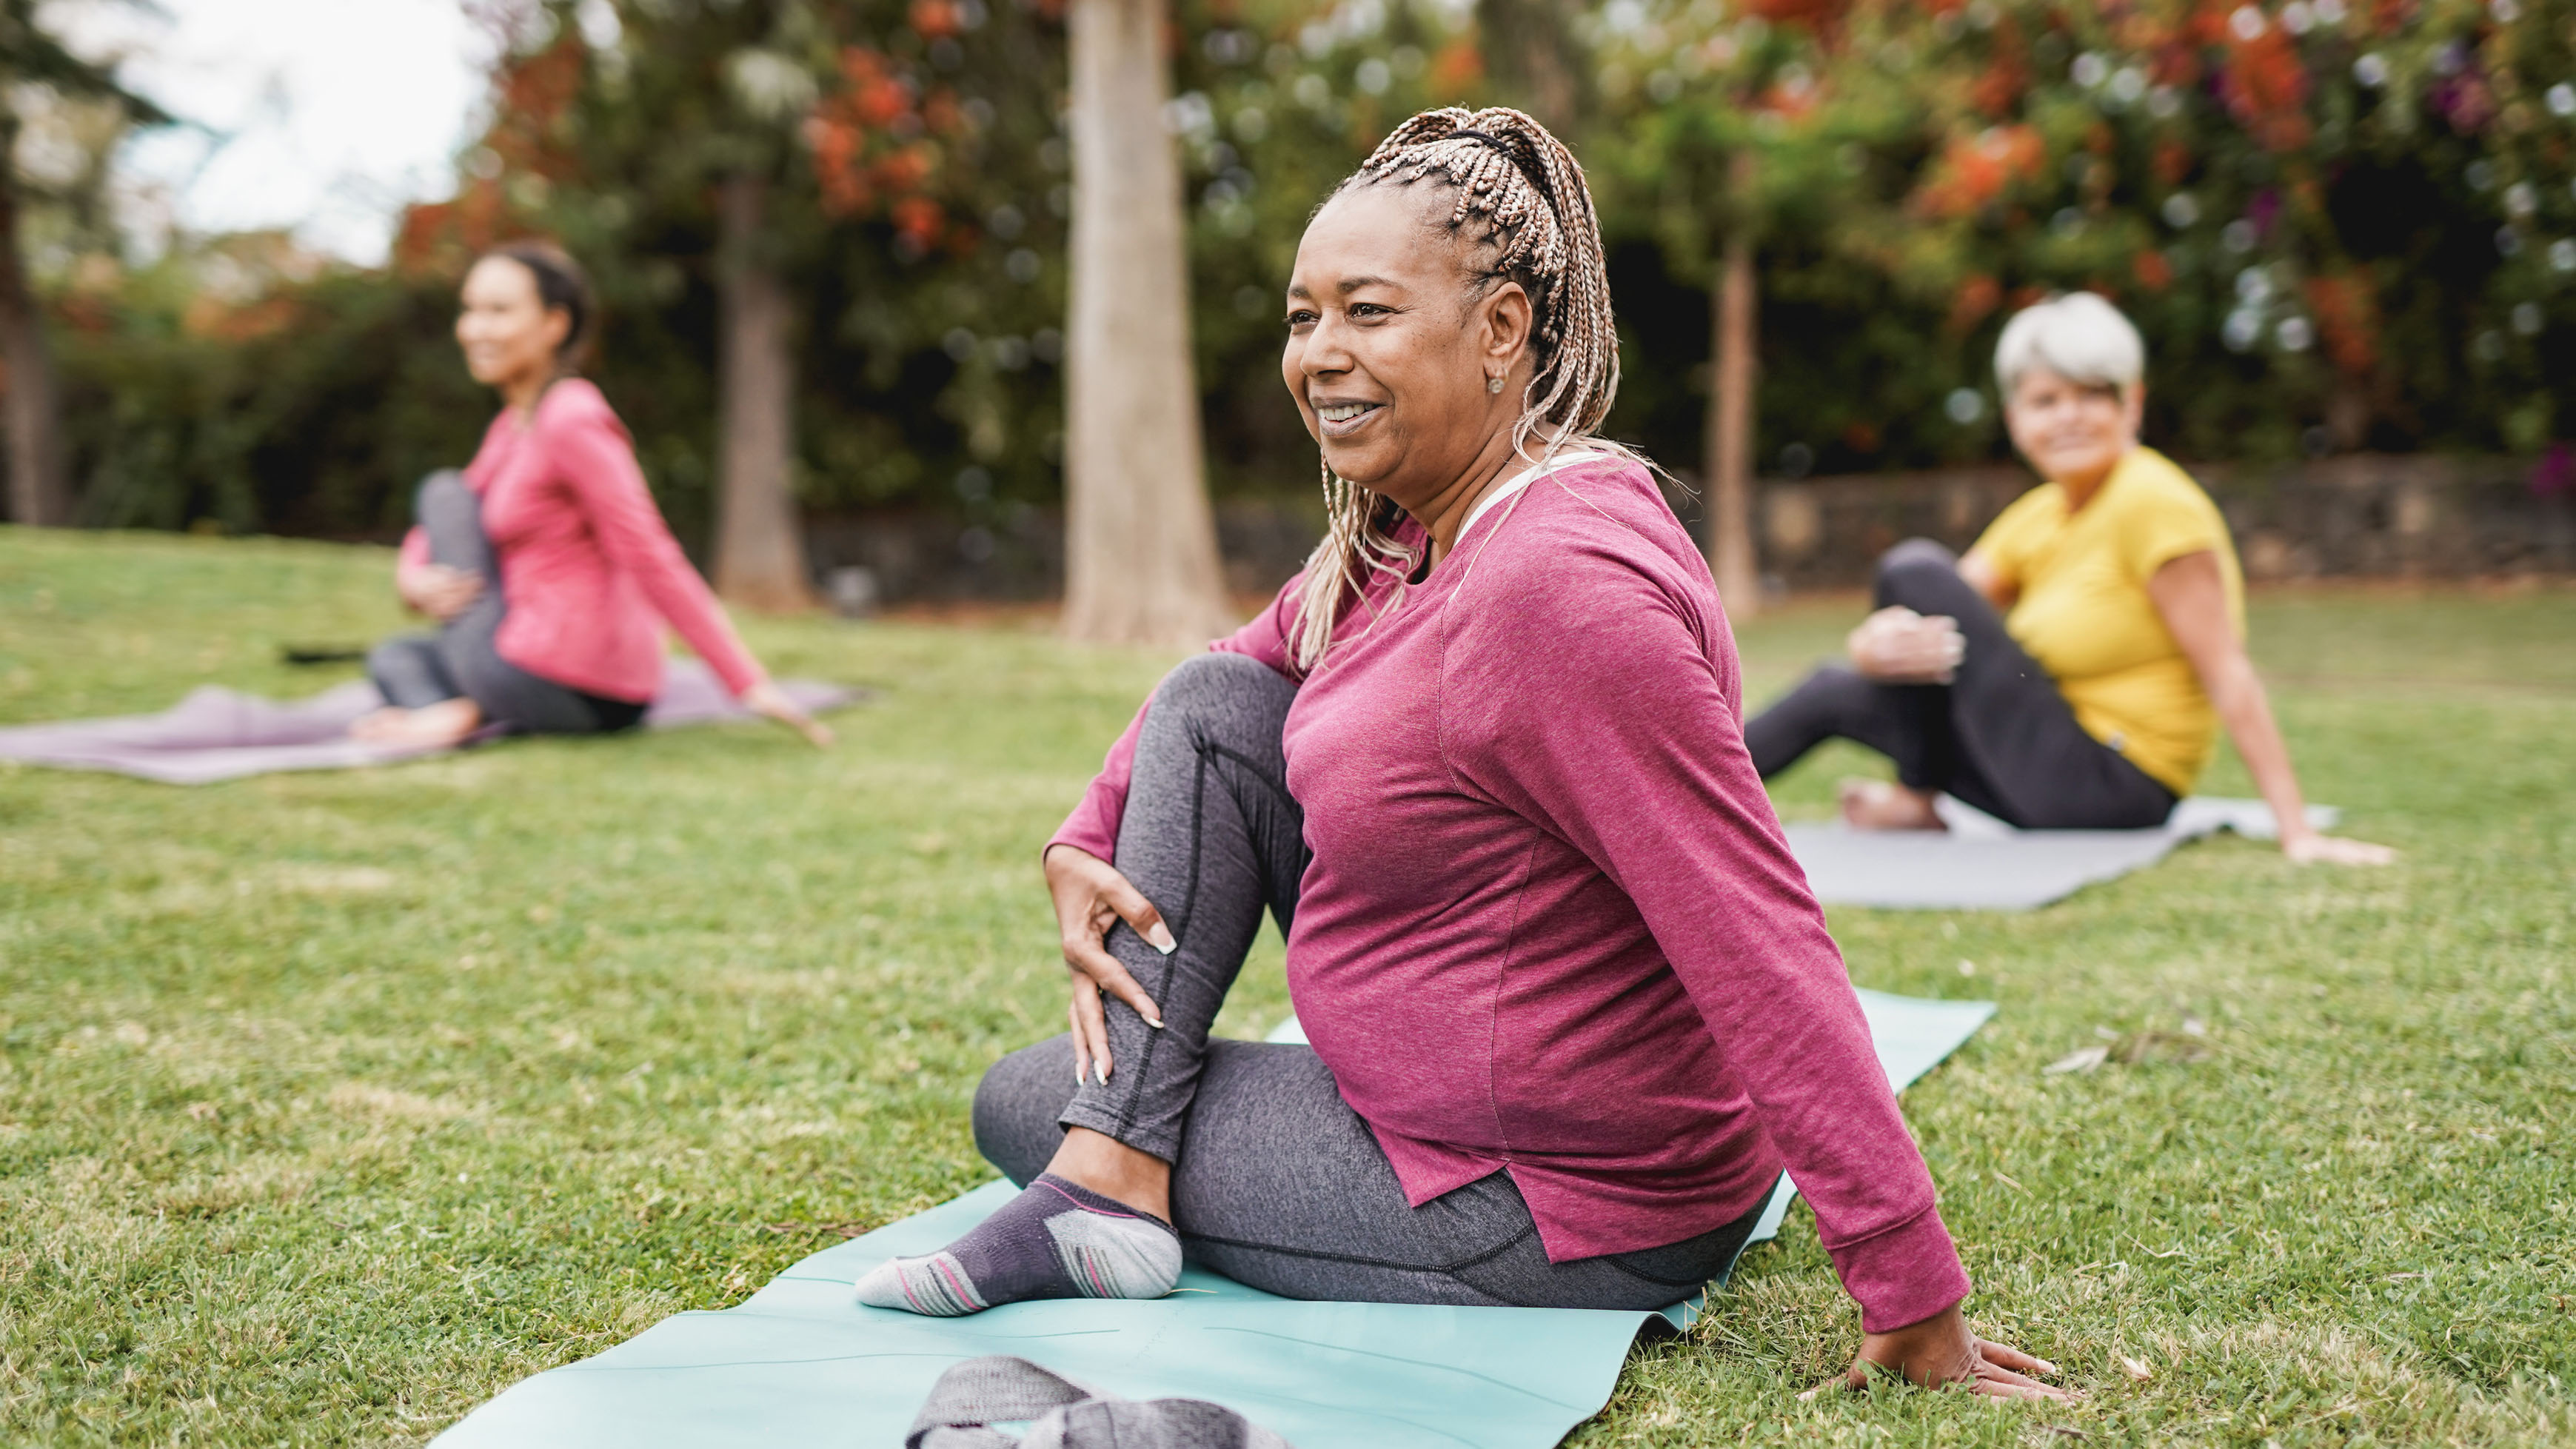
point(802, 1363)
point(1912, 1036)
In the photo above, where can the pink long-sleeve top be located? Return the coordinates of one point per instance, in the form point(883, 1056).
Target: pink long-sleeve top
point(588, 568)
point(1552, 926)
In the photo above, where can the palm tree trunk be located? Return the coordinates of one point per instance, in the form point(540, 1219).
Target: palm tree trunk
point(760, 547)
point(38, 493)
point(1730, 429)
point(1140, 540)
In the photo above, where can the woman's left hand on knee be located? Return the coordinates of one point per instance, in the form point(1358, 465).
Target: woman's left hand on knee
point(1091, 897)
point(437, 590)
point(1899, 646)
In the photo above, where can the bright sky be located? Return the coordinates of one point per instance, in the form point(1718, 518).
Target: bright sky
point(325, 116)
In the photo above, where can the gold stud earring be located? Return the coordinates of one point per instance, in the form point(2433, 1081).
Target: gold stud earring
point(1493, 384)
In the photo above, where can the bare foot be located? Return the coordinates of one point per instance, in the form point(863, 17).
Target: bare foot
point(1878, 805)
point(433, 726)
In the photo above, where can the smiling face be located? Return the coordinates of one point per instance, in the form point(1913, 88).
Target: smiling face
point(1390, 351)
point(2073, 433)
point(509, 335)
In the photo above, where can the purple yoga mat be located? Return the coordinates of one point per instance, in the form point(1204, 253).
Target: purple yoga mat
point(223, 734)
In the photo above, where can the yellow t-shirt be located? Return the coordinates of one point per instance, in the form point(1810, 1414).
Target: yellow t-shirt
point(2082, 609)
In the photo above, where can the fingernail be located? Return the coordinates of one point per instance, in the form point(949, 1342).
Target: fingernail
point(2046, 1367)
point(1161, 939)
point(1104, 1074)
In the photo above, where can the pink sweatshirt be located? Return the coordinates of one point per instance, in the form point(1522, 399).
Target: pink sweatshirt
point(1552, 926)
point(588, 568)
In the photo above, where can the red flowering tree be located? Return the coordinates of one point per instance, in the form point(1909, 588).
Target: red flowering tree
point(842, 203)
point(2341, 223)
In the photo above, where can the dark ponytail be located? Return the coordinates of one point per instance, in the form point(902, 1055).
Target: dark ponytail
point(561, 285)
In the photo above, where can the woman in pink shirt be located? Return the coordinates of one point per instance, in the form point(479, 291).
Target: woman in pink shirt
point(545, 562)
point(1572, 1008)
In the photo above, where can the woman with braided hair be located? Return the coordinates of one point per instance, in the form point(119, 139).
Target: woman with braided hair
point(1571, 1005)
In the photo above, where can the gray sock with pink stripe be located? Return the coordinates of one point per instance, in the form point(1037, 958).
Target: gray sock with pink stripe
point(1055, 1240)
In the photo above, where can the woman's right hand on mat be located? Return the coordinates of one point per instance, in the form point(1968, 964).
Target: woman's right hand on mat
point(2311, 847)
point(1942, 1353)
point(769, 701)
point(1899, 646)
point(437, 590)
point(1091, 897)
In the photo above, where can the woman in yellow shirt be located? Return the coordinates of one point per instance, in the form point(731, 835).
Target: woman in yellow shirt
point(2072, 670)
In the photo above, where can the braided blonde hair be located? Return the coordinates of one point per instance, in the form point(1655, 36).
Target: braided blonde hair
point(1523, 208)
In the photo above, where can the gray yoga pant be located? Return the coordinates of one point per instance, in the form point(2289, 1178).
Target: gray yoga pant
point(1998, 736)
point(461, 660)
point(1276, 1182)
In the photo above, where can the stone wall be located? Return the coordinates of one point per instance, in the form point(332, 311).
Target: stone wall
point(1018, 553)
point(2359, 516)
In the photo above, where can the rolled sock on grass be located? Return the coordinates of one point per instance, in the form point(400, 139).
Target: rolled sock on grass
point(1055, 1240)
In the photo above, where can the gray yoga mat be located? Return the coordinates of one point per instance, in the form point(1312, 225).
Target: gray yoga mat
point(802, 1363)
point(1980, 863)
point(223, 734)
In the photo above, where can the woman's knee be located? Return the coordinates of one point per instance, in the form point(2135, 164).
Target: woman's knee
point(441, 489)
point(447, 506)
point(1917, 555)
point(1917, 568)
point(1220, 683)
point(1017, 1106)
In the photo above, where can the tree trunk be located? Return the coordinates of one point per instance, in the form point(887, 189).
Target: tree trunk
point(1525, 46)
point(38, 494)
point(1730, 432)
point(760, 547)
point(1140, 540)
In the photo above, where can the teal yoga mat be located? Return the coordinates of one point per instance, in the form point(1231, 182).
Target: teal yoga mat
point(802, 1363)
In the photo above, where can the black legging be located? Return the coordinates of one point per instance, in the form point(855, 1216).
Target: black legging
point(1998, 736)
point(460, 660)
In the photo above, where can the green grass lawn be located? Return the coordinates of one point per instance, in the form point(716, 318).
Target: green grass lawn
point(330, 1105)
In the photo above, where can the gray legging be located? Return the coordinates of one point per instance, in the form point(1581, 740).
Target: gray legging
point(1276, 1182)
point(460, 660)
point(1998, 736)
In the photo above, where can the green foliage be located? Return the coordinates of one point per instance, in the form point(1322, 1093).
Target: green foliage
point(2340, 224)
point(313, 411)
point(31, 55)
point(914, 209)
point(332, 1104)
point(1277, 102)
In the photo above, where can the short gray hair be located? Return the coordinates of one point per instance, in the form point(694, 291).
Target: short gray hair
point(2077, 335)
